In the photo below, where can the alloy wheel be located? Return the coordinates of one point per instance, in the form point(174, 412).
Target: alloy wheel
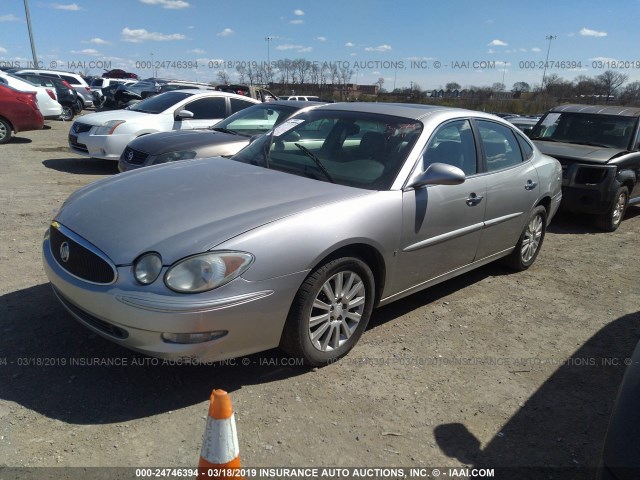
point(337, 310)
point(531, 240)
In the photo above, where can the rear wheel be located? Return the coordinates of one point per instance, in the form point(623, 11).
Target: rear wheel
point(5, 131)
point(67, 113)
point(330, 312)
point(611, 220)
point(530, 241)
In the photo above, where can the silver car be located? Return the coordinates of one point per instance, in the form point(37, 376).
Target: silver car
point(294, 240)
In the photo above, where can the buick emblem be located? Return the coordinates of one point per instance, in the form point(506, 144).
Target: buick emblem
point(130, 155)
point(64, 251)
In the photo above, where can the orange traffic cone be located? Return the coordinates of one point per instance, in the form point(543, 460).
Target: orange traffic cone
point(220, 454)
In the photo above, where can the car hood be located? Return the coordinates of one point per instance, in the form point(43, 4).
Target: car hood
point(99, 118)
point(583, 153)
point(183, 140)
point(183, 208)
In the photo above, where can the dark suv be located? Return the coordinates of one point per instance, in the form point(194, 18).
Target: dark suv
point(599, 149)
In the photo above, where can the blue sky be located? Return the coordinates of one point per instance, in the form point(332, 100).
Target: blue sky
point(419, 41)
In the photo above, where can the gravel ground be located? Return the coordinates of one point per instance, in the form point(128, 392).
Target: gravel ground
point(492, 368)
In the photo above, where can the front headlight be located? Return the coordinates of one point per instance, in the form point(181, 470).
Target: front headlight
point(147, 268)
point(174, 157)
point(107, 128)
point(206, 271)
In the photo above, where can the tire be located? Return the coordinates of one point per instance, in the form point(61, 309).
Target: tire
point(610, 221)
point(67, 113)
point(530, 242)
point(332, 334)
point(5, 131)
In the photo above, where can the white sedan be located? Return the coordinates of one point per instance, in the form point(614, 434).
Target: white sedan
point(47, 99)
point(106, 134)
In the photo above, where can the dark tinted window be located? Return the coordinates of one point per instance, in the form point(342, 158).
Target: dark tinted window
point(205, 108)
point(71, 80)
point(237, 105)
point(501, 149)
point(161, 102)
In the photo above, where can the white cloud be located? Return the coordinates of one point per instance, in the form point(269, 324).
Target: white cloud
point(3, 50)
point(297, 48)
point(497, 43)
point(603, 59)
point(86, 51)
point(71, 7)
point(199, 51)
point(349, 44)
point(321, 39)
point(491, 50)
point(99, 41)
point(296, 22)
point(139, 35)
point(227, 32)
point(9, 18)
point(379, 48)
point(522, 49)
point(298, 12)
point(592, 33)
point(536, 49)
point(171, 4)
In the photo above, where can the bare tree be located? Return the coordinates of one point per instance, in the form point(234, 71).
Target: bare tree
point(223, 77)
point(611, 81)
point(242, 73)
point(498, 87)
point(452, 86)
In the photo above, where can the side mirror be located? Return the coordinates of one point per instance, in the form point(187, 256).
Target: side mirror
point(182, 114)
point(439, 174)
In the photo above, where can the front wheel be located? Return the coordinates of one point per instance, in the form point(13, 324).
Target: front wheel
point(330, 312)
point(5, 131)
point(530, 241)
point(611, 220)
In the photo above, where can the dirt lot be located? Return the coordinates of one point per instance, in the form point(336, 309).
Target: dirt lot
point(493, 368)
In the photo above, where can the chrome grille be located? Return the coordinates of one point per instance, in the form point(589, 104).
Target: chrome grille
point(78, 127)
point(79, 257)
point(134, 157)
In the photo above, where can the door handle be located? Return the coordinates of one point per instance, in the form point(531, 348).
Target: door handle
point(530, 185)
point(473, 200)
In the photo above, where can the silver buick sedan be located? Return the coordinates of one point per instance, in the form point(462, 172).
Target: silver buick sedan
point(294, 240)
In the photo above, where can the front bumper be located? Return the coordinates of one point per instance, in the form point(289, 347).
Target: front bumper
point(252, 313)
point(107, 147)
point(588, 188)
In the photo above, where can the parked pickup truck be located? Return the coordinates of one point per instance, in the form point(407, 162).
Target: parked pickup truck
point(599, 149)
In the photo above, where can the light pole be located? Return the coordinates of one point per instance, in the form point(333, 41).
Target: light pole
point(544, 74)
point(268, 40)
point(33, 45)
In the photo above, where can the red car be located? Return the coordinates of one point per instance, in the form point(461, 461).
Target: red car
point(18, 112)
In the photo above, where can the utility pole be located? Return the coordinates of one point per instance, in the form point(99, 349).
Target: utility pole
point(268, 39)
point(33, 45)
point(544, 74)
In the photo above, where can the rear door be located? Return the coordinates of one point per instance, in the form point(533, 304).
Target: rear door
point(512, 186)
point(206, 111)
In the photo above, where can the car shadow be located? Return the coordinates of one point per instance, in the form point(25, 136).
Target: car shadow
point(19, 140)
point(82, 166)
point(573, 223)
point(563, 424)
point(384, 314)
point(51, 364)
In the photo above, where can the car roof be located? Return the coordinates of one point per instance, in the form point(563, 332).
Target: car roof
point(407, 110)
point(216, 93)
point(598, 109)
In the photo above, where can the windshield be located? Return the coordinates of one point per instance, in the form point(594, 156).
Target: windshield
point(357, 149)
point(610, 131)
point(160, 103)
point(256, 120)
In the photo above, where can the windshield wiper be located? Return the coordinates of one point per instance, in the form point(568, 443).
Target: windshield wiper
point(223, 130)
point(316, 160)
